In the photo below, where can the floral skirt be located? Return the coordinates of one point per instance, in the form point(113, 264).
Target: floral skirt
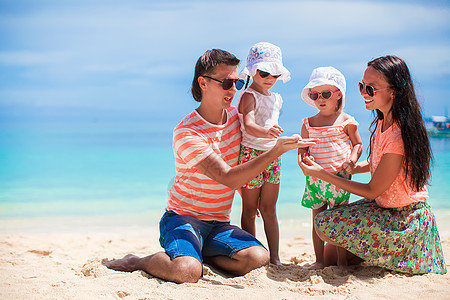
point(403, 239)
point(271, 174)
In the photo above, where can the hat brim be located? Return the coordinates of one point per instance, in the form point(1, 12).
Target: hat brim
point(315, 83)
point(273, 68)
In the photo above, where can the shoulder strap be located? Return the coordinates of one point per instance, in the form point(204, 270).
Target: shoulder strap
point(306, 122)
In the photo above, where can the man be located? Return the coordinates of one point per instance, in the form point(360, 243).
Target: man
point(195, 228)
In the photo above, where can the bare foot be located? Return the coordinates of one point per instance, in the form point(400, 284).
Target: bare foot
point(126, 264)
point(316, 266)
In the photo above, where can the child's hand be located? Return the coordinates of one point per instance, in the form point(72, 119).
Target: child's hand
point(306, 161)
point(348, 166)
point(275, 131)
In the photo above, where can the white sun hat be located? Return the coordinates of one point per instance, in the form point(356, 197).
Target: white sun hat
point(322, 76)
point(265, 57)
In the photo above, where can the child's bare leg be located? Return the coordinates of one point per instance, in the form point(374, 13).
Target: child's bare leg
point(331, 256)
point(317, 242)
point(249, 206)
point(269, 197)
point(341, 257)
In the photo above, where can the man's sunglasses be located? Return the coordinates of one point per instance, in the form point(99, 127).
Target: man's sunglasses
point(228, 83)
point(264, 74)
point(325, 95)
point(370, 90)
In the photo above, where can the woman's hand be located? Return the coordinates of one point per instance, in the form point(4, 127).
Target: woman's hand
point(309, 166)
point(302, 157)
point(348, 166)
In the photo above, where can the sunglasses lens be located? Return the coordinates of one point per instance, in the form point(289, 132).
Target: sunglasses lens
point(369, 89)
point(313, 96)
point(263, 74)
point(227, 84)
point(239, 84)
point(326, 95)
point(360, 86)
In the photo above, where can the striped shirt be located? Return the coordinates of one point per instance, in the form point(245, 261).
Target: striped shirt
point(192, 192)
point(334, 146)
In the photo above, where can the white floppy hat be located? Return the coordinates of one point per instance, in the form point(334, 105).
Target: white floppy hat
point(322, 76)
point(265, 57)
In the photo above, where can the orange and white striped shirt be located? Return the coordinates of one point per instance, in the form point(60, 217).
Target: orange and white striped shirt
point(192, 192)
point(334, 146)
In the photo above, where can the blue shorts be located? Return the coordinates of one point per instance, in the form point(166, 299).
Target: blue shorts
point(186, 235)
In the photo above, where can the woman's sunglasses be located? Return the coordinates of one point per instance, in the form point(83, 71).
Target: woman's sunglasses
point(228, 83)
point(265, 74)
point(325, 95)
point(370, 90)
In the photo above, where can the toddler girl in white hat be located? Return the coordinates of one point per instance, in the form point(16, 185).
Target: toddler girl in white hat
point(259, 110)
point(337, 151)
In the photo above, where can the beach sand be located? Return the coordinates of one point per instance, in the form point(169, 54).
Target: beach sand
point(61, 258)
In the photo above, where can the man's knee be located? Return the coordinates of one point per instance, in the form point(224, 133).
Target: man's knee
point(254, 257)
point(187, 269)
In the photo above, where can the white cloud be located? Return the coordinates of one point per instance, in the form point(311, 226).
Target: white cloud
point(134, 42)
point(32, 58)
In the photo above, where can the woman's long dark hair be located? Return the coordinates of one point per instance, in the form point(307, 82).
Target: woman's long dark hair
point(407, 114)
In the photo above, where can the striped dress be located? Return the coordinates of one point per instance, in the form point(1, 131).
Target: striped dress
point(332, 150)
point(334, 146)
point(192, 192)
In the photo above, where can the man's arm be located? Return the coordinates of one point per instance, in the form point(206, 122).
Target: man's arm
point(217, 169)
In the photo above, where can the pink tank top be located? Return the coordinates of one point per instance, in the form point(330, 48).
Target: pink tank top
point(334, 146)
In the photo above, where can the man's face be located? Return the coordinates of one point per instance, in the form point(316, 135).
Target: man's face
point(212, 90)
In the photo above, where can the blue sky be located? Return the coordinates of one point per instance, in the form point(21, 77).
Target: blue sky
point(135, 59)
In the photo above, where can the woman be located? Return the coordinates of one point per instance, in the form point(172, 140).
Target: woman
point(393, 227)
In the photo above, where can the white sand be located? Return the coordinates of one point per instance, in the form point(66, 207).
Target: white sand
point(61, 258)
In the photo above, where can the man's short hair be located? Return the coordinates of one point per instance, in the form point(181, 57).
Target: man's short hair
point(206, 65)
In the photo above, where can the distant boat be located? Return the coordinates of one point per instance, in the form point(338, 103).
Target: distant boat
point(440, 126)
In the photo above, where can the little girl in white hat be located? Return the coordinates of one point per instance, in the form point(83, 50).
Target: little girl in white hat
point(259, 110)
point(337, 151)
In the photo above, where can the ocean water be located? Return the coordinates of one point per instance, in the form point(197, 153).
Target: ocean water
point(102, 168)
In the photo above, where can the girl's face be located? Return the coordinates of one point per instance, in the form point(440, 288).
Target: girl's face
point(265, 83)
point(319, 93)
point(383, 96)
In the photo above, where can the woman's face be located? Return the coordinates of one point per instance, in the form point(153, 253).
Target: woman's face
point(383, 95)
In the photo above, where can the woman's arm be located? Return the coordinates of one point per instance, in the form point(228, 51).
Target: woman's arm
point(385, 174)
point(361, 167)
point(217, 169)
point(247, 109)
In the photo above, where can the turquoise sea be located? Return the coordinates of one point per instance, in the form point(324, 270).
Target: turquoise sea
point(100, 167)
